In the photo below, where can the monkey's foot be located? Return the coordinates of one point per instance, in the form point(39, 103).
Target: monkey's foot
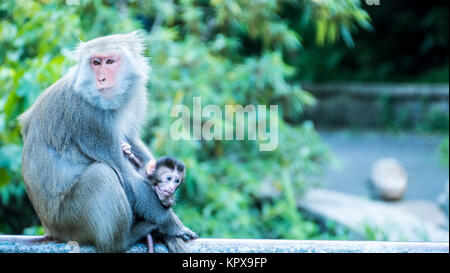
point(188, 235)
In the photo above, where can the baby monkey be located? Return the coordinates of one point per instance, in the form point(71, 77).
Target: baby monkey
point(165, 177)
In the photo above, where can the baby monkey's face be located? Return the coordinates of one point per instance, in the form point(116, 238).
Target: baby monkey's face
point(167, 178)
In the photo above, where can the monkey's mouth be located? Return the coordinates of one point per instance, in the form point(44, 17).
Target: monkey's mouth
point(107, 92)
point(162, 194)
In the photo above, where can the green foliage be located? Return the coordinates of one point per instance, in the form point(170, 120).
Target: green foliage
point(227, 52)
point(396, 50)
point(34, 230)
point(336, 18)
point(443, 148)
point(375, 233)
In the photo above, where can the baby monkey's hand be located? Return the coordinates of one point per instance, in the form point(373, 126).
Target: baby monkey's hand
point(126, 148)
point(150, 167)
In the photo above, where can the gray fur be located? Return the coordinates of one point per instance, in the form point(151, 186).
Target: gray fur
point(81, 186)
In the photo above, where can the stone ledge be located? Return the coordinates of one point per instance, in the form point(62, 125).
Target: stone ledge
point(36, 244)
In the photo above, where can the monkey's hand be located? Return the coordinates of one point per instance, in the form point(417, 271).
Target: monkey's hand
point(150, 167)
point(126, 148)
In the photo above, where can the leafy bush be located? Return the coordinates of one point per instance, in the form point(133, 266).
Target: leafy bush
point(443, 148)
point(226, 52)
point(395, 51)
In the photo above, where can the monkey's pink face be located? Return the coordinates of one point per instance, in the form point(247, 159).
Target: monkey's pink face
point(106, 68)
point(169, 181)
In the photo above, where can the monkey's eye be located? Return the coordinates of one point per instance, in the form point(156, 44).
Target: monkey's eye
point(110, 61)
point(169, 178)
point(177, 180)
point(96, 62)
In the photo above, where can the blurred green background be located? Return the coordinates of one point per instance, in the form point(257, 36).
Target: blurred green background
point(228, 52)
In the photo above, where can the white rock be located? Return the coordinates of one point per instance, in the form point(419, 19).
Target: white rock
point(389, 179)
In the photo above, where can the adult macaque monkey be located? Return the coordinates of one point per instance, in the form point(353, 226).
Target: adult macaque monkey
point(81, 186)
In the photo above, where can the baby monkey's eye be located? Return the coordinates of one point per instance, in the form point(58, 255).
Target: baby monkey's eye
point(169, 178)
point(96, 62)
point(109, 61)
point(177, 180)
